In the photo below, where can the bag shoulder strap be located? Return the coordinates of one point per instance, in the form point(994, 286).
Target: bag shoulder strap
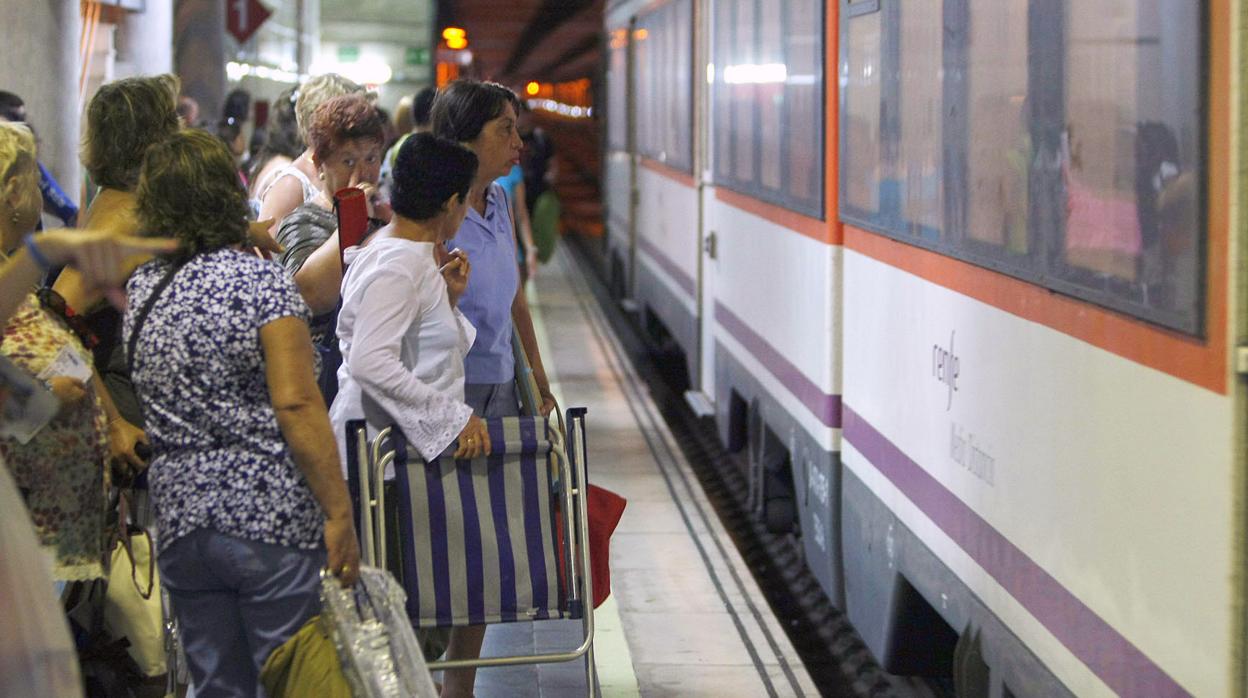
point(141, 317)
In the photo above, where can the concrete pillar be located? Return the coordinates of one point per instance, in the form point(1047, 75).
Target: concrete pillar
point(41, 64)
point(199, 53)
point(309, 23)
point(145, 41)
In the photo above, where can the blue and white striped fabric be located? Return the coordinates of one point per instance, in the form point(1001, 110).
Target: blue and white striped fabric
point(477, 538)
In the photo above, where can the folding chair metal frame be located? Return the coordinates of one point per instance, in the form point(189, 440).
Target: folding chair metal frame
point(372, 463)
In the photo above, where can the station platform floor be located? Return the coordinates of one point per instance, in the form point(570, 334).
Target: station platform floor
point(685, 617)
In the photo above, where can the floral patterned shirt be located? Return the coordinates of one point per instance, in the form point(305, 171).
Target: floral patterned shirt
point(61, 472)
point(220, 460)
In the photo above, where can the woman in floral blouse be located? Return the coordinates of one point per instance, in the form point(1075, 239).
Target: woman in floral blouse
point(245, 478)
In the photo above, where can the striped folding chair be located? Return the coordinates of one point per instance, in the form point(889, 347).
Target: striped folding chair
point(479, 541)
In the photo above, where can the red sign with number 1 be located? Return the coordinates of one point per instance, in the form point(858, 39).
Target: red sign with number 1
point(244, 17)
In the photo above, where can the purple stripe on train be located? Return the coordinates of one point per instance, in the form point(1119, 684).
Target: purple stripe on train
point(686, 282)
point(827, 408)
point(1112, 657)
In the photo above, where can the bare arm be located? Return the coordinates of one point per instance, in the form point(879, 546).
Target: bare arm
point(18, 276)
point(123, 437)
point(106, 261)
point(284, 196)
point(528, 338)
point(319, 280)
point(304, 422)
point(525, 229)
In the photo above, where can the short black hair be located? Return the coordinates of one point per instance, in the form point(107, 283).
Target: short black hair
point(237, 105)
point(427, 171)
point(12, 108)
point(464, 107)
point(422, 105)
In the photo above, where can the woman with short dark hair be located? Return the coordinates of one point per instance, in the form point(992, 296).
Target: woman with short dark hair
point(403, 338)
point(248, 491)
point(482, 116)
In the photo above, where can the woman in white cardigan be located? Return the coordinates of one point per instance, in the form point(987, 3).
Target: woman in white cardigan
point(403, 340)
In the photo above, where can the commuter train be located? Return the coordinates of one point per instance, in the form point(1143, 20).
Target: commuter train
point(964, 277)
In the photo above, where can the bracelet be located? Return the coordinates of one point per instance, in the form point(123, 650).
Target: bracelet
point(33, 249)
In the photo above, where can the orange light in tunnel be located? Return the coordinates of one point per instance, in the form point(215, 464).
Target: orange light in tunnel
point(641, 34)
point(454, 33)
point(532, 88)
point(457, 43)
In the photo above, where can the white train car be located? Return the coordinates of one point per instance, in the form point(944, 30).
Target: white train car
point(974, 308)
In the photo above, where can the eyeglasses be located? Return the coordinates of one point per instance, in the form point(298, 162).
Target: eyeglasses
point(54, 303)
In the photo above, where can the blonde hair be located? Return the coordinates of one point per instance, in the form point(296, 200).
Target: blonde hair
point(17, 149)
point(315, 92)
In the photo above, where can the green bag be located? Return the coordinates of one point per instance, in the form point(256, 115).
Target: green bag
point(545, 223)
point(305, 665)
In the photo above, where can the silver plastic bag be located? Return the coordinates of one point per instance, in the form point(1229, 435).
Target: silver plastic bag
point(380, 655)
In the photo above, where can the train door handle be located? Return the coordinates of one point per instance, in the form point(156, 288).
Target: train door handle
point(709, 244)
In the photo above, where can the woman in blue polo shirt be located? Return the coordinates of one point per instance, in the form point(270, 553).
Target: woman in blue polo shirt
point(482, 116)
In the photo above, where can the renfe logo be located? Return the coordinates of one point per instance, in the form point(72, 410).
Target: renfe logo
point(946, 367)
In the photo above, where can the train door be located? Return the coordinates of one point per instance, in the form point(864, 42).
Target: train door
point(620, 192)
point(702, 400)
point(634, 197)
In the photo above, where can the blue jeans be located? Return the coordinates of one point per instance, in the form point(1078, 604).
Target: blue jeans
point(489, 400)
point(236, 601)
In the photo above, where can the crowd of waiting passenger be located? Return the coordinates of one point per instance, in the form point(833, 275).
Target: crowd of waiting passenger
point(207, 337)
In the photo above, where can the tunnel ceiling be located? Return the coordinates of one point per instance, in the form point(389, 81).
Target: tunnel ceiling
point(514, 41)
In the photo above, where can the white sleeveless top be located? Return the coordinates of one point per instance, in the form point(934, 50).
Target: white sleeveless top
point(309, 191)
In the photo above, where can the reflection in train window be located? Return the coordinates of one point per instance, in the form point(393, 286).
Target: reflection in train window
point(1057, 142)
point(999, 155)
point(663, 50)
point(617, 90)
point(767, 120)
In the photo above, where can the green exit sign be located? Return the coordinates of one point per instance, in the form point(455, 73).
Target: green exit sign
point(348, 53)
point(417, 55)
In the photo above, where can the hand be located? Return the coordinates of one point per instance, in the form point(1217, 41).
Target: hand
point(123, 438)
point(103, 258)
point(260, 237)
point(548, 403)
point(69, 391)
point(530, 261)
point(455, 272)
point(474, 440)
point(371, 193)
point(342, 550)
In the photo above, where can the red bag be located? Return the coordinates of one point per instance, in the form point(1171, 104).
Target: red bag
point(605, 509)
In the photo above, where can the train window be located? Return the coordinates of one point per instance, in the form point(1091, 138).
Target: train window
point(767, 90)
point(1057, 142)
point(663, 51)
point(617, 90)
